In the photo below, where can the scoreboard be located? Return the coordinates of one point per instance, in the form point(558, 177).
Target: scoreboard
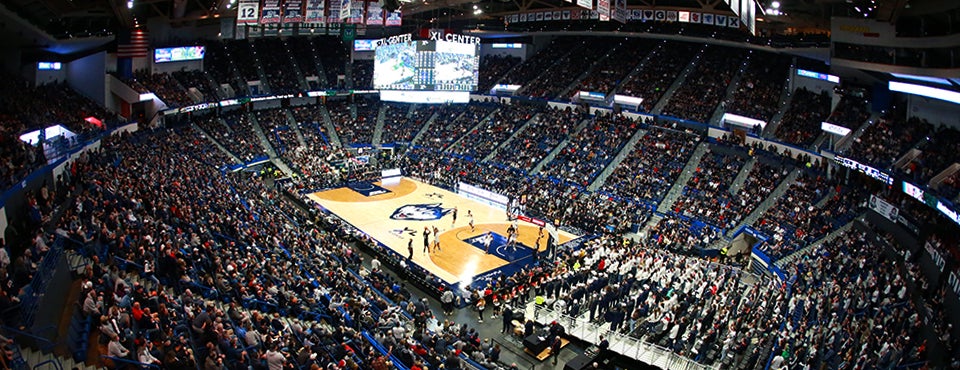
point(426, 65)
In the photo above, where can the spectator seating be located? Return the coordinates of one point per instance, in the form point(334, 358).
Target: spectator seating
point(493, 67)
point(452, 123)
point(363, 74)
point(219, 62)
point(481, 142)
point(535, 65)
point(198, 80)
point(590, 150)
point(244, 58)
point(761, 84)
point(398, 127)
point(706, 196)
point(567, 68)
point(167, 88)
point(656, 161)
point(658, 74)
point(801, 123)
point(278, 65)
point(705, 86)
point(883, 142)
point(533, 144)
point(610, 71)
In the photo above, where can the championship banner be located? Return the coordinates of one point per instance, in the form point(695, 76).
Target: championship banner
point(314, 12)
point(396, 18)
point(271, 12)
point(603, 7)
point(374, 14)
point(356, 12)
point(293, 11)
point(619, 11)
point(334, 15)
point(248, 11)
point(344, 9)
point(585, 4)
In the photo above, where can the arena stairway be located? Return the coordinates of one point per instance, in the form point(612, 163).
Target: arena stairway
point(677, 189)
point(221, 94)
point(634, 71)
point(424, 129)
point(493, 153)
point(742, 176)
point(216, 143)
point(553, 153)
point(565, 93)
point(658, 108)
point(624, 152)
point(328, 123)
point(322, 74)
point(264, 82)
point(292, 124)
point(265, 143)
point(847, 141)
point(728, 96)
point(378, 128)
point(769, 202)
point(543, 71)
point(471, 130)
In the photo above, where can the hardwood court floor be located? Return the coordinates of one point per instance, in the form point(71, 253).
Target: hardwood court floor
point(457, 260)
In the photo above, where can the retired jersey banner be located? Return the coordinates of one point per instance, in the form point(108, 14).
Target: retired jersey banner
point(374, 14)
point(603, 7)
point(271, 12)
point(248, 11)
point(585, 4)
point(293, 11)
point(314, 12)
point(394, 18)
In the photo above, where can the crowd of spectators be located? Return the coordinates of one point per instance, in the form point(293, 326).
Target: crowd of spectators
point(683, 235)
point(278, 65)
point(591, 149)
point(609, 72)
point(800, 125)
point(705, 86)
point(334, 64)
point(851, 112)
point(452, 122)
point(400, 124)
point(354, 130)
point(235, 132)
point(761, 84)
point(706, 195)
point(658, 73)
point(937, 153)
point(484, 140)
point(362, 74)
point(167, 88)
point(200, 81)
point(218, 60)
point(548, 129)
point(277, 129)
point(760, 182)
point(492, 68)
point(306, 55)
point(568, 67)
point(244, 57)
point(884, 141)
point(535, 65)
point(656, 161)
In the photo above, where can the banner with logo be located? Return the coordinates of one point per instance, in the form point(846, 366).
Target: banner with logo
point(356, 12)
point(394, 18)
point(314, 13)
point(707, 18)
point(344, 9)
point(271, 12)
point(293, 11)
point(619, 11)
point(720, 20)
point(374, 14)
point(885, 209)
point(585, 4)
point(248, 11)
point(694, 17)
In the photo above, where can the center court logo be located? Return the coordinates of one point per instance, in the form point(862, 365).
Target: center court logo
point(420, 212)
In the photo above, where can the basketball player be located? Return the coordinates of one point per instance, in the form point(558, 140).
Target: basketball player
point(410, 249)
point(454, 214)
point(436, 239)
point(426, 240)
point(487, 238)
point(470, 220)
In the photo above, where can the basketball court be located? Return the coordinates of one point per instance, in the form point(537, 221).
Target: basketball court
point(395, 215)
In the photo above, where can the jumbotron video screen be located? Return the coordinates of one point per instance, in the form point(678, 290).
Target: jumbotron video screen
point(426, 66)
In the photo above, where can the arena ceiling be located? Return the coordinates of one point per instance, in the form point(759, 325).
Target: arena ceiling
point(84, 18)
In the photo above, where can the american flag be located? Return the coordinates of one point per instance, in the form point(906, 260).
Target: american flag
point(137, 47)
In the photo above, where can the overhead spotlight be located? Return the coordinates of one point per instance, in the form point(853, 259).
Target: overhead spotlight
point(775, 5)
point(478, 11)
point(475, 7)
point(130, 4)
